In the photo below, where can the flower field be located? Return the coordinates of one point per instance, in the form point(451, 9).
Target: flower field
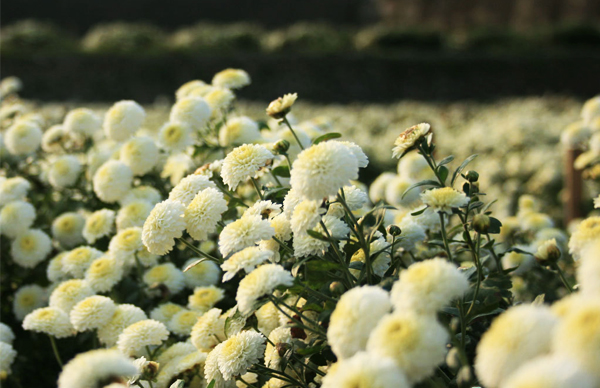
point(212, 242)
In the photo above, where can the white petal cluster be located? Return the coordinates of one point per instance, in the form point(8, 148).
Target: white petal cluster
point(112, 181)
point(243, 163)
point(89, 369)
point(144, 333)
point(259, 282)
point(204, 212)
point(164, 224)
point(123, 119)
point(243, 233)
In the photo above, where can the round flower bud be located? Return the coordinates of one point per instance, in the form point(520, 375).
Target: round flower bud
point(548, 252)
point(337, 288)
point(281, 106)
point(394, 230)
point(472, 176)
point(481, 223)
point(281, 147)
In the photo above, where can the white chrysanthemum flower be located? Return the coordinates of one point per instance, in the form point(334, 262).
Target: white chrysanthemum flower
point(588, 270)
point(587, 232)
point(16, 217)
point(27, 299)
point(175, 350)
point(219, 99)
point(355, 198)
point(416, 342)
point(243, 163)
point(231, 79)
point(99, 224)
point(54, 270)
point(189, 88)
point(240, 352)
point(23, 137)
point(204, 212)
point(112, 181)
point(64, 171)
point(243, 233)
point(535, 221)
point(555, 371)
point(192, 111)
point(92, 312)
point(365, 370)
point(268, 318)
point(133, 214)
point(49, 320)
point(6, 334)
point(164, 312)
point(208, 330)
point(137, 336)
point(67, 229)
point(379, 185)
point(205, 273)
point(140, 154)
point(380, 263)
point(30, 248)
point(306, 215)
point(427, 286)
point(305, 245)
point(204, 298)
point(291, 200)
point(166, 274)
point(13, 189)
point(7, 357)
point(516, 336)
point(281, 335)
point(126, 244)
point(54, 138)
point(211, 368)
point(82, 122)
point(188, 364)
point(395, 189)
point(104, 273)
point(249, 378)
point(246, 259)
point(355, 315)
point(282, 226)
point(360, 155)
point(95, 368)
point(182, 322)
point(521, 261)
point(321, 170)
point(444, 199)
point(238, 131)
point(280, 107)
point(189, 187)
point(175, 136)
point(142, 193)
point(123, 119)
point(412, 233)
point(123, 316)
point(265, 209)
point(164, 224)
point(259, 282)
point(409, 138)
point(68, 293)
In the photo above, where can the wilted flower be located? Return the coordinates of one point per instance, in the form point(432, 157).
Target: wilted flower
point(409, 138)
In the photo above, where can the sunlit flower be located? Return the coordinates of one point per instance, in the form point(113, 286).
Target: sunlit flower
point(192, 111)
point(259, 282)
point(164, 224)
point(137, 336)
point(123, 119)
point(99, 224)
point(243, 163)
point(409, 138)
point(280, 107)
point(444, 199)
point(30, 248)
point(231, 79)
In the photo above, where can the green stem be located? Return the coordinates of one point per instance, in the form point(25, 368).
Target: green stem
point(285, 120)
point(479, 274)
point(260, 195)
point(198, 251)
point(55, 350)
point(445, 237)
point(494, 255)
point(561, 274)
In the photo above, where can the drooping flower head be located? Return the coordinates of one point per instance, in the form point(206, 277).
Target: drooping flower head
point(409, 138)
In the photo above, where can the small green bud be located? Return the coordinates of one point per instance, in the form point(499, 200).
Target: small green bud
point(336, 288)
point(453, 359)
point(481, 223)
point(548, 252)
point(472, 176)
point(394, 230)
point(281, 147)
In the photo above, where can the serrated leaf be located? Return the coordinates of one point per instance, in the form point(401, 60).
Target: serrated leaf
point(327, 136)
point(428, 182)
point(461, 167)
point(282, 171)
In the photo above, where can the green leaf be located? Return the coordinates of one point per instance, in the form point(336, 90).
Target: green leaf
point(539, 300)
point(446, 160)
point(428, 182)
point(312, 307)
point(486, 207)
point(495, 311)
point(321, 265)
point(317, 235)
point(489, 244)
point(461, 167)
point(212, 384)
point(236, 317)
point(418, 212)
point(495, 226)
point(327, 136)
point(276, 193)
point(356, 265)
point(443, 173)
point(475, 205)
point(282, 171)
point(195, 263)
point(309, 351)
point(451, 311)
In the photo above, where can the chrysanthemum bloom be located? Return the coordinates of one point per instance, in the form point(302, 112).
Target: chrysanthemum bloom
point(204, 298)
point(360, 155)
point(137, 336)
point(64, 171)
point(92, 313)
point(175, 350)
point(208, 330)
point(140, 154)
point(67, 229)
point(444, 199)
point(123, 316)
point(185, 364)
point(268, 318)
point(123, 119)
point(182, 322)
point(281, 335)
point(13, 189)
point(380, 263)
point(587, 232)
point(240, 352)
point(243, 163)
point(416, 342)
point(77, 261)
point(588, 271)
point(54, 270)
point(27, 299)
point(6, 334)
point(306, 215)
point(175, 136)
point(104, 273)
point(305, 244)
point(96, 367)
point(355, 315)
point(553, 371)
point(409, 138)
point(54, 138)
point(164, 224)
point(265, 209)
point(246, 259)
point(291, 200)
point(411, 234)
point(30, 248)
point(82, 122)
point(176, 167)
point(219, 99)
point(577, 336)
point(282, 226)
point(427, 286)
point(259, 282)
point(192, 111)
point(238, 131)
point(231, 79)
point(49, 320)
point(166, 274)
point(112, 181)
point(133, 214)
point(141, 193)
point(189, 187)
point(205, 273)
point(365, 370)
point(355, 198)
point(535, 221)
point(249, 378)
point(395, 189)
point(69, 293)
point(164, 312)
point(127, 244)
point(7, 357)
point(23, 137)
point(243, 233)
point(99, 224)
point(280, 107)
point(516, 336)
point(321, 170)
point(188, 87)
point(16, 217)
